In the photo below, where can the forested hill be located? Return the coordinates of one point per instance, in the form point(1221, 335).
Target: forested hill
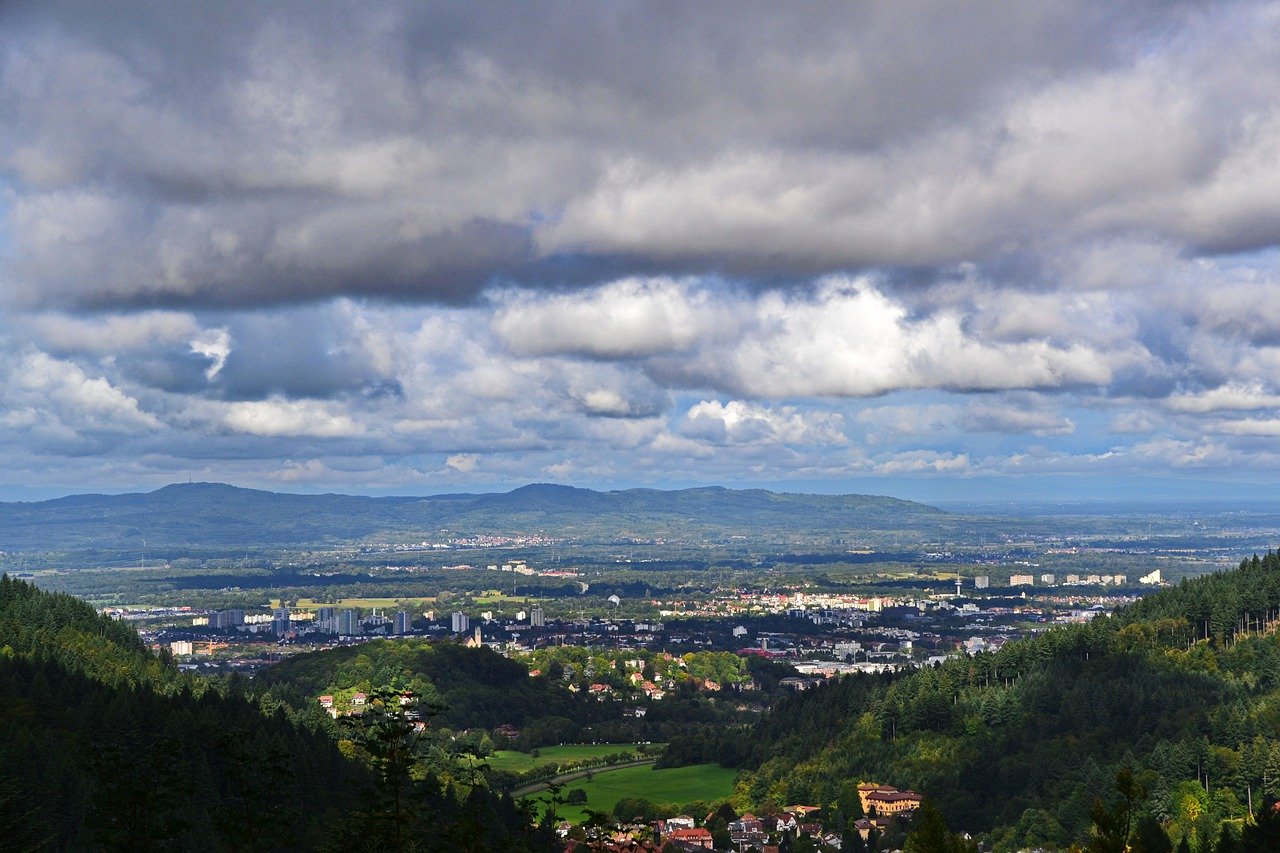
point(475, 688)
point(212, 514)
point(103, 745)
point(1020, 742)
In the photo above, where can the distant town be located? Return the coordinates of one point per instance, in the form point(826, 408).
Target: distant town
point(821, 633)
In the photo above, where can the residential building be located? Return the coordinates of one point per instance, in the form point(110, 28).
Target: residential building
point(886, 799)
point(348, 623)
point(536, 618)
point(404, 622)
point(697, 837)
point(981, 582)
point(460, 623)
point(227, 619)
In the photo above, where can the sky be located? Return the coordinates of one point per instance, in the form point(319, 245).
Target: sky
point(927, 249)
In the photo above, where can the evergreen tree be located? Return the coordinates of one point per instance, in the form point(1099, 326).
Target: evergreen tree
point(929, 833)
point(1150, 837)
point(1112, 826)
point(1263, 834)
point(1227, 841)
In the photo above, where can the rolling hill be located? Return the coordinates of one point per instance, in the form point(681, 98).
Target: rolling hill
point(214, 514)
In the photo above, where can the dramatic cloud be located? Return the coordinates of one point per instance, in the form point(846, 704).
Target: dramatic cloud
point(416, 246)
point(848, 339)
point(423, 152)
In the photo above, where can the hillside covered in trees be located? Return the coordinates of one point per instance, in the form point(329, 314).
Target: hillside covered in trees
point(107, 746)
point(480, 690)
point(214, 514)
point(1183, 687)
point(473, 688)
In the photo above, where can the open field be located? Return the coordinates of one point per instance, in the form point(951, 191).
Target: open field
point(708, 782)
point(493, 596)
point(362, 603)
point(489, 598)
point(518, 762)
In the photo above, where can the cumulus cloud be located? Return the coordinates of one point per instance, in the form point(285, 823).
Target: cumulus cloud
point(1231, 396)
point(215, 345)
point(113, 332)
point(462, 462)
point(1012, 418)
point(848, 339)
point(50, 397)
point(279, 417)
point(1269, 427)
point(406, 242)
point(92, 397)
point(924, 461)
point(630, 317)
point(738, 422)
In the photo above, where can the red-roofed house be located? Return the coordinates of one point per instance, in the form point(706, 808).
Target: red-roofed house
point(699, 836)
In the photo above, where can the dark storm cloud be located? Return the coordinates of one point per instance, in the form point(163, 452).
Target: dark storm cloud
point(174, 371)
point(191, 154)
point(299, 353)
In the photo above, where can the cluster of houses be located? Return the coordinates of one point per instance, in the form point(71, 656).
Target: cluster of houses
point(749, 833)
point(358, 702)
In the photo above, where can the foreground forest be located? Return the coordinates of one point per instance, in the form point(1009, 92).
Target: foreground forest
point(1183, 688)
point(107, 746)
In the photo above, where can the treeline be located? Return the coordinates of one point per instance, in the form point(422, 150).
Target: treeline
point(793, 728)
point(1219, 606)
point(107, 746)
point(1019, 743)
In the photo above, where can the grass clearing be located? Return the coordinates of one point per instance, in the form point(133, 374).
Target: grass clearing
point(678, 785)
point(518, 762)
point(362, 603)
point(494, 596)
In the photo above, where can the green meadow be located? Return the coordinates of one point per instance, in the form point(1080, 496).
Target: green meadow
point(677, 785)
point(519, 762)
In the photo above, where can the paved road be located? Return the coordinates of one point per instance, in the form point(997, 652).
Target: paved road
point(535, 787)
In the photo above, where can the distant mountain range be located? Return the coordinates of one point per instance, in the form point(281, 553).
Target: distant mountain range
point(214, 514)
